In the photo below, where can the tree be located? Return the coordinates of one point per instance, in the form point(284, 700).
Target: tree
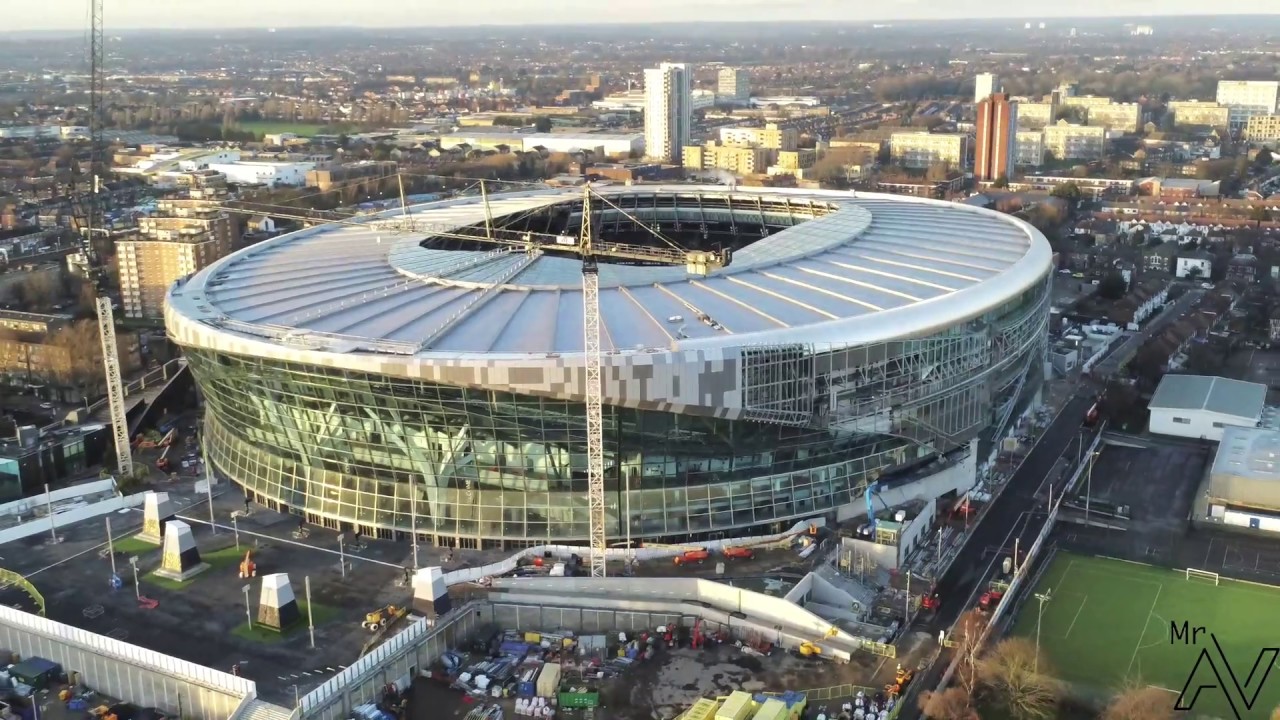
point(1001, 182)
point(1112, 286)
point(1263, 158)
point(952, 703)
point(542, 123)
point(1067, 191)
point(39, 290)
point(968, 640)
point(1140, 703)
point(1024, 686)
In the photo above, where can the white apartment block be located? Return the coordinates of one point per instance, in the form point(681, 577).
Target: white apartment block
point(668, 111)
point(1195, 112)
point(1035, 115)
point(1246, 98)
point(771, 136)
point(1121, 117)
point(1075, 142)
point(984, 85)
point(919, 150)
point(733, 86)
point(1029, 150)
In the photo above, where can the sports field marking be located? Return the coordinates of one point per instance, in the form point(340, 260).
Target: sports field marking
point(1145, 625)
point(1077, 617)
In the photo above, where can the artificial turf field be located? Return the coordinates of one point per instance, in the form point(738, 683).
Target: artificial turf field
point(1108, 621)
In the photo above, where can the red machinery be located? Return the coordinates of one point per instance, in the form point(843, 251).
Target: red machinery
point(697, 639)
point(740, 553)
point(692, 556)
point(931, 602)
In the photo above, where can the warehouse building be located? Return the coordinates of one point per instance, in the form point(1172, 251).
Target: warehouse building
point(1202, 407)
point(1244, 483)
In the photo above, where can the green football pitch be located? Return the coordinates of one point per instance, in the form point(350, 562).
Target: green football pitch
point(1108, 622)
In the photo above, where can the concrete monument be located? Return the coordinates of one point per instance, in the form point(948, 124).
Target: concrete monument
point(181, 559)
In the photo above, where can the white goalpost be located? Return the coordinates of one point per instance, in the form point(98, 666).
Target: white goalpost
point(1202, 575)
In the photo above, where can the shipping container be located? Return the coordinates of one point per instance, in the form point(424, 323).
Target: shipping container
point(579, 699)
point(773, 709)
point(738, 706)
point(548, 680)
point(704, 709)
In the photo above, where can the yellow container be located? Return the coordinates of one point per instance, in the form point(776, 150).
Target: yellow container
point(738, 706)
point(532, 637)
point(704, 709)
point(773, 709)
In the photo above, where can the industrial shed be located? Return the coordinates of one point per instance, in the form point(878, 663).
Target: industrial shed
point(1202, 406)
point(1244, 483)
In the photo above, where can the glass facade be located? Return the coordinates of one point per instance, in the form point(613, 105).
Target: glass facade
point(475, 467)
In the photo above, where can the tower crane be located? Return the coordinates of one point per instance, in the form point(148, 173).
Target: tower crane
point(87, 217)
point(590, 249)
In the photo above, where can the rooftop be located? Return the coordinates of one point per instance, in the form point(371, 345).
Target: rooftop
point(1252, 453)
point(1212, 394)
point(865, 268)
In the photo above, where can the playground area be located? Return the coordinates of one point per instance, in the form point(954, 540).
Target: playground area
point(1111, 622)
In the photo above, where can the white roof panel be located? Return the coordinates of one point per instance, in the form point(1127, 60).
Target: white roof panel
point(872, 267)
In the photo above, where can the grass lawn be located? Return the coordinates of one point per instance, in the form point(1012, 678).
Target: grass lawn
point(132, 546)
point(1109, 621)
point(219, 563)
point(260, 634)
point(301, 129)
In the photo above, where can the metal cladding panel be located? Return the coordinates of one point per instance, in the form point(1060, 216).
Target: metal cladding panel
point(837, 261)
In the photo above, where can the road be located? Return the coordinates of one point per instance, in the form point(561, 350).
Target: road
point(1008, 513)
point(1128, 347)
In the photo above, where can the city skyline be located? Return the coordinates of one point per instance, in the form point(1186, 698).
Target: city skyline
point(153, 14)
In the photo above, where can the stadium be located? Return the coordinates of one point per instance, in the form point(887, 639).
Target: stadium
point(395, 375)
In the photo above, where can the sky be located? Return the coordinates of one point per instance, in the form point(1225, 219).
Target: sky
point(20, 15)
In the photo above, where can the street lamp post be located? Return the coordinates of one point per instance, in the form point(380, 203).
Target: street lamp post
point(248, 611)
point(1043, 597)
point(1088, 484)
point(137, 590)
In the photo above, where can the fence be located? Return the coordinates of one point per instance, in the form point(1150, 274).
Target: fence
point(51, 523)
point(1010, 596)
point(405, 654)
point(116, 668)
point(31, 504)
point(646, 553)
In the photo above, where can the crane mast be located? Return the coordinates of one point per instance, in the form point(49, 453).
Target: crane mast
point(88, 217)
point(595, 408)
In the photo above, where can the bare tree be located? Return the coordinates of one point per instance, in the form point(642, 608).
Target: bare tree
point(1141, 703)
point(39, 290)
point(1009, 671)
point(81, 364)
point(954, 703)
point(967, 636)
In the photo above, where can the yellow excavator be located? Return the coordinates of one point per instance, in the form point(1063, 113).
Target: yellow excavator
point(813, 649)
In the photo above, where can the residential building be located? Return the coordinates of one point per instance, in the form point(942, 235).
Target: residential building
point(733, 86)
point(1263, 129)
point(736, 159)
point(186, 237)
point(668, 110)
point(1246, 98)
point(1035, 115)
point(995, 150)
point(920, 150)
point(1196, 265)
point(16, 321)
point(1075, 142)
point(1194, 113)
point(325, 178)
point(1029, 148)
point(1084, 101)
point(771, 137)
point(34, 460)
point(984, 85)
point(790, 161)
point(1120, 117)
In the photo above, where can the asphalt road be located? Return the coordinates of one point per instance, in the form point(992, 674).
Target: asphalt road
point(1006, 512)
point(1129, 346)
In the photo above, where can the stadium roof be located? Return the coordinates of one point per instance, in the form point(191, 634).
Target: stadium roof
point(877, 267)
point(1211, 394)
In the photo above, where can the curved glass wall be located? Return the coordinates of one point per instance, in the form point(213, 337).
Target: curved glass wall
point(463, 465)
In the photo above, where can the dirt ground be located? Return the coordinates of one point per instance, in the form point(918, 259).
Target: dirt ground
point(666, 686)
